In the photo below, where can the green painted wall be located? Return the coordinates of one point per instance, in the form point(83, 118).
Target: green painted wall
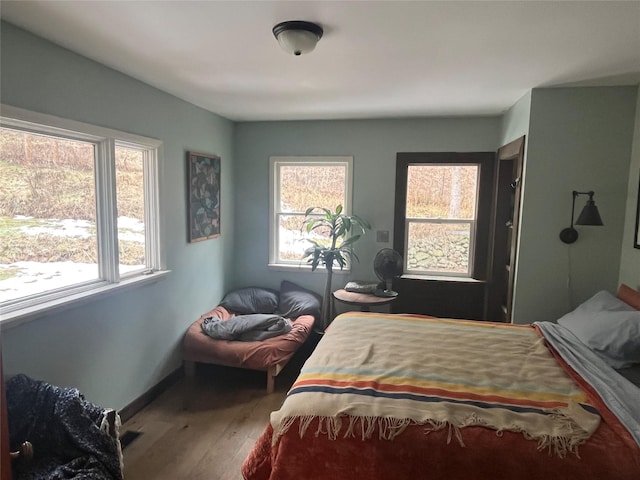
point(515, 121)
point(630, 258)
point(372, 143)
point(117, 348)
point(579, 139)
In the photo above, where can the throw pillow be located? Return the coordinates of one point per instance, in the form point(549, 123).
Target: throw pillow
point(296, 300)
point(251, 300)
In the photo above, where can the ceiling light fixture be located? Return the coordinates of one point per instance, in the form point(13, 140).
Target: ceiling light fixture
point(297, 36)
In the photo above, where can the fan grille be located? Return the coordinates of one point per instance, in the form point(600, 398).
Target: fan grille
point(388, 264)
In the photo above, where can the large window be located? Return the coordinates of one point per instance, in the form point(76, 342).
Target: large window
point(298, 183)
point(441, 214)
point(78, 208)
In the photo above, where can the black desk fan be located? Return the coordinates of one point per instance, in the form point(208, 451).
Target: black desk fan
point(387, 265)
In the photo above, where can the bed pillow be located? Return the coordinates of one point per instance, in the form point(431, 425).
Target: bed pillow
point(251, 300)
point(629, 296)
point(296, 300)
point(609, 326)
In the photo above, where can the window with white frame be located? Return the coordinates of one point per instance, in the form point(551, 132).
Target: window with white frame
point(298, 183)
point(78, 208)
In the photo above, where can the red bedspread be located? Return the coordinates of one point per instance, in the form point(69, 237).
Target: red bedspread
point(610, 453)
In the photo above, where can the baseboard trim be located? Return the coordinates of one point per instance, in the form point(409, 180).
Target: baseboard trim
point(147, 397)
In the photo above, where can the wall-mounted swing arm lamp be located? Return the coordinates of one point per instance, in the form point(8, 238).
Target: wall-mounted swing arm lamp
point(588, 216)
point(297, 36)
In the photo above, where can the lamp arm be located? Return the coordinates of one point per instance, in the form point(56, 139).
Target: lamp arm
point(589, 216)
point(573, 207)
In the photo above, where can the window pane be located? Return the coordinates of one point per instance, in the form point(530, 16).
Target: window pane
point(130, 201)
point(47, 213)
point(302, 183)
point(438, 247)
point(292, 238)
point(291, 245)
point(442, 191)
point(304, 186)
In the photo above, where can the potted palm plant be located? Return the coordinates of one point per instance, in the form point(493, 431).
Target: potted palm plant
point(332, 246)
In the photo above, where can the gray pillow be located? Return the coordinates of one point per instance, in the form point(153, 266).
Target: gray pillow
point(251, 300)
point(607, 325)
point(296, 300)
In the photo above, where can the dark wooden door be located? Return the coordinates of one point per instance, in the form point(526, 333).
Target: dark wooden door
point(506, 220)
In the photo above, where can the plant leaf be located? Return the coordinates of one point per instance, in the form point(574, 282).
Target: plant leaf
point(351, 240)
point(334, 247)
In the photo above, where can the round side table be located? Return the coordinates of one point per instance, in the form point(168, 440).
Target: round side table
point(363, 300)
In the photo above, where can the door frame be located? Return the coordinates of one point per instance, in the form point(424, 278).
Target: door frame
point(510, 160)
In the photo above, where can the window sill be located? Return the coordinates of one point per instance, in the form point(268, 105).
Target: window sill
point(304, 268)
point(23, 315)
point(442, 278)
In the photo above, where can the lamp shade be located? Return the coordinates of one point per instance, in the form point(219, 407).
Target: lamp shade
point(297, 36)
point(589, 215)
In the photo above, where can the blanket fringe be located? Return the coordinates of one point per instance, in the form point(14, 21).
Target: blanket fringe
point(454, 430)
point(389, 428)
point(110, 423)
point(559, 446)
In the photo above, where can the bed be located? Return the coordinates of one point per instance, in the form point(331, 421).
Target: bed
point(299, 306)
point(395, 397)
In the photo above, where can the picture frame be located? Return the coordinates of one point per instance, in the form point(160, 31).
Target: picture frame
point(203, 176)
point(636, 240)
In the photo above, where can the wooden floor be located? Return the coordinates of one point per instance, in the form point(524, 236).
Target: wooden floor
point(204, 430)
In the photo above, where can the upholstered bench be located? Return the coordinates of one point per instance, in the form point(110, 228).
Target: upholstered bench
point(292, 302)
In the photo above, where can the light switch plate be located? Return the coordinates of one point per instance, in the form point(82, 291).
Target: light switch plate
point(382, 236)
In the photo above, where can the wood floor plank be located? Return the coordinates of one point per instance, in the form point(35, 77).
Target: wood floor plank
point(233, 439)
point(204, 429)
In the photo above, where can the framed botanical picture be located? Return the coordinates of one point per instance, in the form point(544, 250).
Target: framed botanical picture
point(204, 196)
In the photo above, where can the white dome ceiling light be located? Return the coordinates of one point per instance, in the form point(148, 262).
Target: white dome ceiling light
point(297, 36)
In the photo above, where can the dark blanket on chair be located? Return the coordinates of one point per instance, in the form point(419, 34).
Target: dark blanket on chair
point(64, 429)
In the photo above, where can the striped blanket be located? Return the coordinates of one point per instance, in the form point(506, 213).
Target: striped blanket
point(376, 374)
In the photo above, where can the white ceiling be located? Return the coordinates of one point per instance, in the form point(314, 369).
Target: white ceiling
point(377, 59)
